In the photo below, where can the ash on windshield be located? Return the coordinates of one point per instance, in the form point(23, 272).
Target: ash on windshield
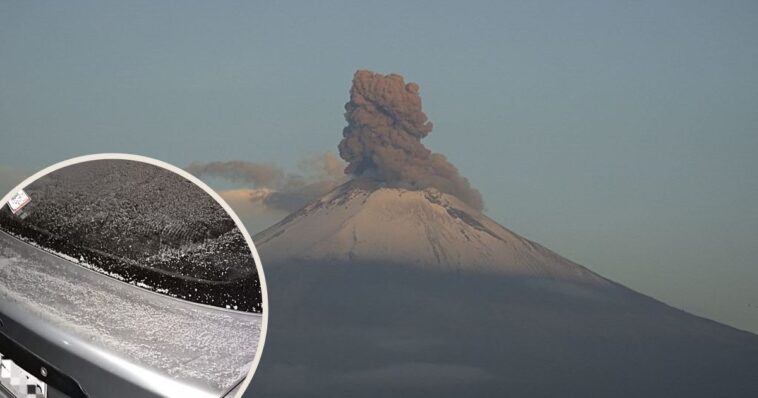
point(143, 224)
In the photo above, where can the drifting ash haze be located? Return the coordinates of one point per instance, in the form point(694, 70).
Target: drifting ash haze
point(395, 284)
point(270, 187)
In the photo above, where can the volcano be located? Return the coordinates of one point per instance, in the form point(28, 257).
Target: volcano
point(385, 290)
point(368, 221)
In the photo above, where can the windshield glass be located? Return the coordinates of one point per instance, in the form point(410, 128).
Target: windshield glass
point(141, 224)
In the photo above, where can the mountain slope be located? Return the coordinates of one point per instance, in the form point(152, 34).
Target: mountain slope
point(381, 291)
point(364, 221)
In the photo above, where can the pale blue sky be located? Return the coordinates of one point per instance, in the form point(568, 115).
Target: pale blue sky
point(622, 135)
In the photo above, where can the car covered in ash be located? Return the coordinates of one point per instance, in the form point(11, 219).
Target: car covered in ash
point(120, 278)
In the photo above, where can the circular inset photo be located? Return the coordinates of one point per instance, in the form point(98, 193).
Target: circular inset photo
point(123, 276)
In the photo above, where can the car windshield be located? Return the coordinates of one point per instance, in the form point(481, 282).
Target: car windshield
point(141, 224)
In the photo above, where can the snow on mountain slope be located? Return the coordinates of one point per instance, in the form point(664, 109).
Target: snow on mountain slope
point(365, 221)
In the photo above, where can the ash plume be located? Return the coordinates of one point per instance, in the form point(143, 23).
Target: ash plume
point(382, 141)
point(383, 138)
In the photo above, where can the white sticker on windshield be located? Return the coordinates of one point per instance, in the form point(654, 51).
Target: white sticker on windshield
point(18, 201)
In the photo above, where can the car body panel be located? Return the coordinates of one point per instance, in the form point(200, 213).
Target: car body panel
point(119, 340)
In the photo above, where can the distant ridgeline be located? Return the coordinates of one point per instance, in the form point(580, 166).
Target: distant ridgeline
point(144, 225)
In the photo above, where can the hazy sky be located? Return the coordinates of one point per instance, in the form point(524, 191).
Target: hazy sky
point(623, 136)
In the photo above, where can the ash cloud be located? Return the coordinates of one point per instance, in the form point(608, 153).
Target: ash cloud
point(381, 141)
point(273, 188)
point(238, 171)
point(383, 138)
